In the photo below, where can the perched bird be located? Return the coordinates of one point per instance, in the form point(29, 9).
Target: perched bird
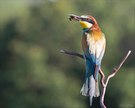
point(93, 45)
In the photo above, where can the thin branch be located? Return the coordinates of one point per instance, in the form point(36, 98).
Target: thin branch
point(112, 74)
point(102, 77)
point(72, 53)
point(115, 70)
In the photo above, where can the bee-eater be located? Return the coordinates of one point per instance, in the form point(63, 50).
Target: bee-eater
point(93, 45)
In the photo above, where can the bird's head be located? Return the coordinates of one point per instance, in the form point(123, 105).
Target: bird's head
point(86, 21)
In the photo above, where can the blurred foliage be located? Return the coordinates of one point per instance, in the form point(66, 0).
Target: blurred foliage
point(33, 74)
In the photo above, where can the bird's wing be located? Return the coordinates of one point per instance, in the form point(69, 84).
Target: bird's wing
point(100, 50)
point(97, 49)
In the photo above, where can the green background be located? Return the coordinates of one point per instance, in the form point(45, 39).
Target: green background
point(34, 74)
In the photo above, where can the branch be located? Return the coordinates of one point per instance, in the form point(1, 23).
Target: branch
point(112, 74)
point(102, 80)
point(72, 53)
point(102, 77)
point(115, 70)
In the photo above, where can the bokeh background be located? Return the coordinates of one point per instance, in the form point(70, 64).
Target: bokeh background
point(34, 74)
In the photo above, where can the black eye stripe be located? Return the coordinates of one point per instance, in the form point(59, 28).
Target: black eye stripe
point(88, 20)
point(84, 19)
point(92, 22)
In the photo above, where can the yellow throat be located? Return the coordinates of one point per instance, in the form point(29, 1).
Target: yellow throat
point(85, 24)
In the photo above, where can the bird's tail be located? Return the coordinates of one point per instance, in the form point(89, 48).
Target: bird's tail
point(90, 88)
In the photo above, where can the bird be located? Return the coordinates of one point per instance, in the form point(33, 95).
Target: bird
point(93, 46)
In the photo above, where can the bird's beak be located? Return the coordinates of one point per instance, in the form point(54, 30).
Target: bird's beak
point(74, 17)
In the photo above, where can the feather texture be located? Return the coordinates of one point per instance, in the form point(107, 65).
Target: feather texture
point(88, 88)
point(94, 48)
point(93, 44)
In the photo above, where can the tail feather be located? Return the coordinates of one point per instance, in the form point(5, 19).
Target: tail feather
point(96, 94)
point(90, 88)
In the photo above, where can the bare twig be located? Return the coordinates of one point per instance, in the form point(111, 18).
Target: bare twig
point(102, 77)
point(102, 80)
point(72, 53)
point(115, 70)
point(112, 74)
